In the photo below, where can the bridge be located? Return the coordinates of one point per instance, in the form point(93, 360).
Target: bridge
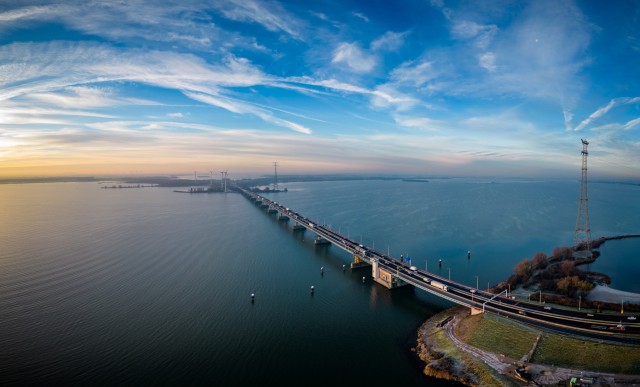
point(393, 272)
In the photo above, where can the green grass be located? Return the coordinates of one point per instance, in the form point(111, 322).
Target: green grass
point(485, 375)
point(496, 335)
point(511, 339)
point(573, 353)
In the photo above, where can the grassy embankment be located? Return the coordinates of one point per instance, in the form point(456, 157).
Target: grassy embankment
point(514, 340)
point(497, 336)
point(445, 360)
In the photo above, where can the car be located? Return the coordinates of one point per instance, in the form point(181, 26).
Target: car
point(472, 290)
point(547, 308)
point(413, 268)
point(589, 315)
point(522, 312)
point(631, 318)
point(618, 327)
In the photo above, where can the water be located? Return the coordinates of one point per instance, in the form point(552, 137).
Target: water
point(148, 286)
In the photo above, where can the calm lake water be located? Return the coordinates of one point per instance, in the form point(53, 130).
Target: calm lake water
point(149, 286)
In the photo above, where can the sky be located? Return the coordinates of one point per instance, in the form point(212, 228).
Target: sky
point(407, 87)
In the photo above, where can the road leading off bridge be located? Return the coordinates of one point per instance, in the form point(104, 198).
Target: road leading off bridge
point(392, 272)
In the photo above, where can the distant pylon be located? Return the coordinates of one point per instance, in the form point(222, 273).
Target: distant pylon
point(582, 237)
point(275, 177)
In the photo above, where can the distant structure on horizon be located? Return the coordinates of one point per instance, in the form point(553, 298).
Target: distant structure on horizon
point(275, 176)
point(582, 236)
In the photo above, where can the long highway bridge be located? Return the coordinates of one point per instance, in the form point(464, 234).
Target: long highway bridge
point(392, 272)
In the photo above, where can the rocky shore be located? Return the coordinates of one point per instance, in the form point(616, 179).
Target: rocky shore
point(444, 359)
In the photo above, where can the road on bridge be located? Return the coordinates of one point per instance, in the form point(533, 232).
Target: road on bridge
point(599, 326)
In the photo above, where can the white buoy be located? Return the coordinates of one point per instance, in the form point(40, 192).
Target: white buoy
point(322, 271)
point(363, 278)
point(253, 296)
point(311, 289)
point(343, 267)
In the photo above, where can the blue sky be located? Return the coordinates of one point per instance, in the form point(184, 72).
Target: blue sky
point(464, 88)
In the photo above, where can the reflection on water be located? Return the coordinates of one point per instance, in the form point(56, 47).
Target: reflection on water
point(149, 286)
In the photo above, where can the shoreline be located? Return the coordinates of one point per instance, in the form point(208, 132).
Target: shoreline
point(445, 356)
point(607, 294)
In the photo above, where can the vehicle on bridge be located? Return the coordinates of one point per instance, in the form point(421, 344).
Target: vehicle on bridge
point(439, 285)
point(427, 280)
point(362, 250)
point(618, 327)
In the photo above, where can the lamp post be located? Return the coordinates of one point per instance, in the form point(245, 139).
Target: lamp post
point(426, 265)
point(449, 273)
point(540, 295)
point(476, 282)
point(622, 307)
point(579, 301)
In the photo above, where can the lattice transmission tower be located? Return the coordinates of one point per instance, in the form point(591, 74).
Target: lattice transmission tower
point(582, 236)
point(275, 176)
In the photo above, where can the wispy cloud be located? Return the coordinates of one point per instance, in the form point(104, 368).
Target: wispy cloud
point(354, 57)
point(631, 124)
point(383, 96)
point(602, 111)
point(245, 108)
point(77, 97)
point(186, 24)
point(538, 53)
point(390, 41)
point(488, 61)
point(89, 63)
point(270, 15)
point(361, 16)
point(416, 73)
point(422, 123)
point(597, 114)
point(26, 114)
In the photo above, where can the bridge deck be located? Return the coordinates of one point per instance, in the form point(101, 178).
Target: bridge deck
point(600, 326)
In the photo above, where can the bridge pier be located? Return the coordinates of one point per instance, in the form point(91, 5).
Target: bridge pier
point(321, 241)
point(298, 227)
point(384, 277)
point(358, 262)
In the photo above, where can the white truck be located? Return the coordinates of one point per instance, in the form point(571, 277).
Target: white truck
point(439, 285)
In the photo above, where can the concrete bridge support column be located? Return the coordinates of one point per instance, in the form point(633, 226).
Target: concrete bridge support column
point(358, 262)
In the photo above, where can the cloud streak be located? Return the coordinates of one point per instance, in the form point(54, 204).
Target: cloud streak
point(85, 64)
